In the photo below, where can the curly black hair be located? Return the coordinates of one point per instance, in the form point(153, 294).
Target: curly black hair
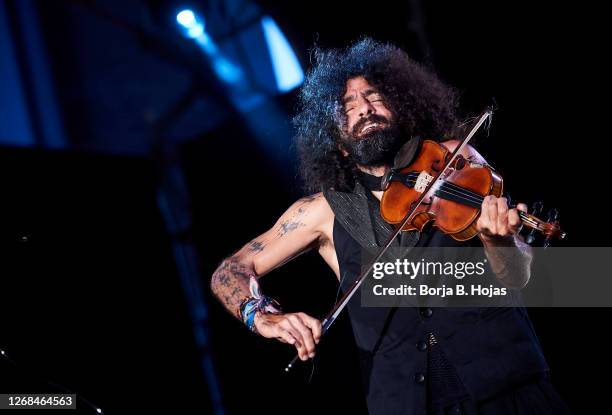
point(423, 105)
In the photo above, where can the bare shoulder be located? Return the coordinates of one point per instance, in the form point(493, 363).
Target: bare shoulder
point(313, 211)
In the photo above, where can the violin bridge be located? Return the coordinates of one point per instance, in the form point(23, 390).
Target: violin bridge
point(422, 181)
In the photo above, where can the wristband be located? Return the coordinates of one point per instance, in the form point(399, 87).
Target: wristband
point(257, 302)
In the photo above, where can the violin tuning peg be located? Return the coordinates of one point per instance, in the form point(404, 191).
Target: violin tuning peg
point(553, 215)
point(536, 208)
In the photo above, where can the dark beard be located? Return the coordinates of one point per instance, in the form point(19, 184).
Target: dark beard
point(377, 148)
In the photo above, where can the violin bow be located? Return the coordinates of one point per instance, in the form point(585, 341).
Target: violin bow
point(343, 301)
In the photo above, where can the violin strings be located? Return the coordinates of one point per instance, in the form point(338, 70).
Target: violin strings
point(452, 189)
point(455, 190)
point(469, 196)
point(524, 217)
point(478, 198)
point(474, 197)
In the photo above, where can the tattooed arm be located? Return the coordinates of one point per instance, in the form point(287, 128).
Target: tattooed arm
point(304, 225)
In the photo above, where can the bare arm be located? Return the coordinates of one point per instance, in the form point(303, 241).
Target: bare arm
point(297, 230)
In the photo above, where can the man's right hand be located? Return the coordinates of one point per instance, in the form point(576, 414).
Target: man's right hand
point(299, 329)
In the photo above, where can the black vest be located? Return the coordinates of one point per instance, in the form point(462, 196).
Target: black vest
point(490, 350)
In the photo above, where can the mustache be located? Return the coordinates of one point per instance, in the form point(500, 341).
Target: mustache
point(371, 119)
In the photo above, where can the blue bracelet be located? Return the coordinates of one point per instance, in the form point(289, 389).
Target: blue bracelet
point(258, 302)
point(250, 306)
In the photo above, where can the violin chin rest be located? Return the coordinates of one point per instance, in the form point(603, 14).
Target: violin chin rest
point(386, 179)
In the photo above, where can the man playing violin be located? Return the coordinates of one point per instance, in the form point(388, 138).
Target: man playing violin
point(357, 109)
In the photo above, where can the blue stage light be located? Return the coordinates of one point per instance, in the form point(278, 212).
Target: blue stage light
point(226, 70)
point(193, 24)
point(186, 18)
point(287, 68)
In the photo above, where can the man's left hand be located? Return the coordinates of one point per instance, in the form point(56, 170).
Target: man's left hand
point(498, 224)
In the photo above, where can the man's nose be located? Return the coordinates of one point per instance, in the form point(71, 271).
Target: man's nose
point(366, 108)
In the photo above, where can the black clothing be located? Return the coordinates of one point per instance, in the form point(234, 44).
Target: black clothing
point(461, 356)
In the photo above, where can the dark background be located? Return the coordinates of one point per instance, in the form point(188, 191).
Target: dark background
point(91, 296)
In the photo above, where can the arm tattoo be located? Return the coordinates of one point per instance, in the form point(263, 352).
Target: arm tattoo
point(256, 246)
point(230, 284)
point(230, 281)
point(288, 226)
point(294, 221)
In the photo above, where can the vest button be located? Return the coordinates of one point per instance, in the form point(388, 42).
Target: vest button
point(419, 377)
point(426, 312)
point(421, 346)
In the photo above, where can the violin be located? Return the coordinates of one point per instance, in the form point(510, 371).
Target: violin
point(453, 205)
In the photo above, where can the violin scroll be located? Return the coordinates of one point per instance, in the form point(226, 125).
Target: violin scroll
point(550, 229)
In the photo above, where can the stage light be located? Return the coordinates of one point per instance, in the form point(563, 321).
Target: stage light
point(226, 70)
point(193, 24)
point(186, 18)
point(287, 69)
point(194, 29)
